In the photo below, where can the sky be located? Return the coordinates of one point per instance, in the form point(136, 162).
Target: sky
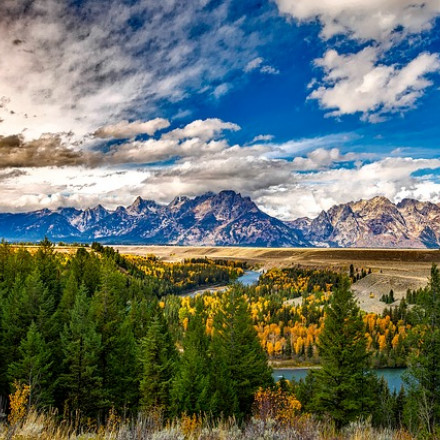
point(299, 104)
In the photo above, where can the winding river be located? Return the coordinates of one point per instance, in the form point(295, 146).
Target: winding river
point(249, 278)
point(393, 376)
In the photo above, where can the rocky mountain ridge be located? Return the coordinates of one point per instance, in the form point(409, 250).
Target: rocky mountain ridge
point(225, 218)
point(229, 219)
point(374, 223)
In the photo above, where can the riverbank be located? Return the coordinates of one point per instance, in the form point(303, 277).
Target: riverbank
point(249, 278)
point(291, 364)
point(392, 376)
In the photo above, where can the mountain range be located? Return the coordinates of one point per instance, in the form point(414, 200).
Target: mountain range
point(228, 219)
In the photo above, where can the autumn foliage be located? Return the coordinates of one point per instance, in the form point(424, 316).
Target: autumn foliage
point(276, 404)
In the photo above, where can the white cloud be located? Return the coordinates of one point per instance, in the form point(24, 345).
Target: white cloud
point(258, 64)
point(367, 82)
point(65, 70)
point(253, 64)
point(125, 129)
point(300, 146)
point(269, 70)
point(202, 129)
point(262, 138)
point(359, 83)
point(364, 19)
point(292, 179)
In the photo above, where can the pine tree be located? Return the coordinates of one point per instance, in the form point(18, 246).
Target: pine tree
point(158, 356)
point(107, 312)
point(123, 367)
point(34, 368)
point(344, 383)
point(38, 304)
point(191, 387)
point(7, 274)
point(423, 407)
point(239, 363)
point(85, 269)
point(47, 266)
point(81, 346)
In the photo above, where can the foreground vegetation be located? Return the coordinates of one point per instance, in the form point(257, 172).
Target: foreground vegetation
point(148, 427)
point(94, 343)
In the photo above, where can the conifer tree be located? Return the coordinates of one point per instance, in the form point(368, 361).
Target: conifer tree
point(6, 268)
point(107, 310)
point(46, 263)
point(239, 364)
point(123, 367)
point(423, 407)
point(344, 384)
point(85, 269)
point(158, 356)
point(81, 346)
point(33, 368)
point(38, 304)
point(191, 387)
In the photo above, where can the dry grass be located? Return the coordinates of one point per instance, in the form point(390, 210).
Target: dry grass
point(43, 427)
point(411, 261)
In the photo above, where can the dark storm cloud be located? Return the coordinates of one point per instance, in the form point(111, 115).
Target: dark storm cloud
point(48, 150)
point(6, 175)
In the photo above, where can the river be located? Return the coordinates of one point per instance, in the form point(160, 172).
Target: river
point(393, 376)
point(249, 278)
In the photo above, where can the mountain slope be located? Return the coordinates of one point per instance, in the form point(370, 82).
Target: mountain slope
point(225, 218)
point(375, 223)
point(228, 219)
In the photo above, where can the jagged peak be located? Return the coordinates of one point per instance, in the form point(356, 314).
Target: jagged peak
point(374, 201)
point(409, 202)
point(229, 193)
point(141, 205)
point(98, 208)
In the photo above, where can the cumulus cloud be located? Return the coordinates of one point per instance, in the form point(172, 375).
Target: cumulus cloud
point(11, 174)
point(48, 150)
point(263, 138)
point(307, 194)
point(322, 158)
point(364, 19)
point(367, 81)
point(74, 67)
point(259, 65)
point(360, 83)
point(289, 180)
point(195, 139)
point(202, 129)
point(125, 129)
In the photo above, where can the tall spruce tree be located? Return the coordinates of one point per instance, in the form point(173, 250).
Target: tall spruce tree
point(344, 385)
point(423, 406)
point(190, 392)
point(158, 358)
point(33, 368)
point(123, 369)
point(46, 262)
point(81, 346)
point(239, 363)
point(107, 312)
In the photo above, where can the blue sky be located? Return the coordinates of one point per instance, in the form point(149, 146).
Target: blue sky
point(300, 104)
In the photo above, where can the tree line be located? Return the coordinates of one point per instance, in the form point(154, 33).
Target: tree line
point(86, 334)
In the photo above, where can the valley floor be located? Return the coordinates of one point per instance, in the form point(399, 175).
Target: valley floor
point(397, 269)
